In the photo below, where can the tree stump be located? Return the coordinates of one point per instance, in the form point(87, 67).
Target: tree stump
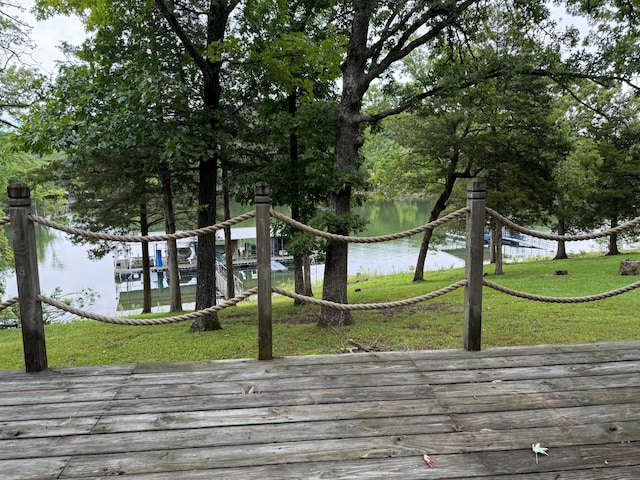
point(629, 267)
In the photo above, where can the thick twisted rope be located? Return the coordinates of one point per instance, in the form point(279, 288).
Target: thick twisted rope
point(371, 306)
point(5, 220)
point(381, 238)
point(567, 238)
point(141, 238)
point(542, 298)
point(237, 299)
point(8, 303)
point(330, 236)
point(150, 321)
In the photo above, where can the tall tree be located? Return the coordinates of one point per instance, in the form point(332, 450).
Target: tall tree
point(574, 175)
point(613, 130)
point(288, 72)
point(202, 27)
point(502, 130)
point(525, 40)
point(382, 34)
point(121, 108)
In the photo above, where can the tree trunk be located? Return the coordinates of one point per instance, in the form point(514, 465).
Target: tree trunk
point(298, 277)
point(498, 248)
point(175, 302)
point(437, 209)
point(492, 245)
point(348, 142)
point(613, 245)
point(228, 242)
point(206, 291)
point(298, 274)
point(613, 239)
point(418, 275)
point(561, 252)
point(146, 264)
point(206, 272)
point(218, 13)
point(308, 289)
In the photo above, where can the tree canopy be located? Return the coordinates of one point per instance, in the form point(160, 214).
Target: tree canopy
point(217, 94)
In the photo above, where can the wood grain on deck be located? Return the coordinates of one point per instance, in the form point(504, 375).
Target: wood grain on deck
point(375, 415)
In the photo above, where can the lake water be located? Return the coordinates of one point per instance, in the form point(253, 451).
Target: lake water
point(68, 267)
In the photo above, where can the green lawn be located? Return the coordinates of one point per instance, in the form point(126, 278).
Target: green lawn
point(434, 324)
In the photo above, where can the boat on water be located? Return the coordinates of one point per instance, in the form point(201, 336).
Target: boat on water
point(129, 266)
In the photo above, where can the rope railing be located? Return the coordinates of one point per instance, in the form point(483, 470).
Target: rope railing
point(148, 321)
point(548, 299)
point(8, 303)
point(566, 238)
point(382, 238)
point(323, 234)
point(475, 213)
point(371, 306)
point(236, 300)
point(141, 238)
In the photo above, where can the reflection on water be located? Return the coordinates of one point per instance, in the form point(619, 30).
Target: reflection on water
point(65, 265)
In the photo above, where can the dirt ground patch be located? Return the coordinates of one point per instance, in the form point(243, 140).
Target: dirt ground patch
point(305, 315)
point(389, 313)
point(311, 314)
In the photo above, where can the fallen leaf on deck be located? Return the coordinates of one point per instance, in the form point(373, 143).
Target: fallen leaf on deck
point(251, 390)
point(429, 461)
point(537, 449)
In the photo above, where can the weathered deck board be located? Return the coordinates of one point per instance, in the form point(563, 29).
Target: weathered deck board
point(339, 417)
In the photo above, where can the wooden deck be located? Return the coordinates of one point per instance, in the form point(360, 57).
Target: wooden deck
point(335, 417)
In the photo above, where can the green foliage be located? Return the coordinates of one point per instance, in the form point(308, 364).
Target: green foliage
point(504, 129)
point(607, 150)
point(390, 168)
point(294, 46)
point(260, 98)
point(14, 39)
point(289, 126)
point(17, 166)
point(20, 87)
point(123, 114)
point(84, 300)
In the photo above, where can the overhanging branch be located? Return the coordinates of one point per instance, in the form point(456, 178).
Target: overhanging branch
point(189, 46)
point(7, 123)
point(557, 77)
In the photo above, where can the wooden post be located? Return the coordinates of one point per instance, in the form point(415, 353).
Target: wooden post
point(263, 251)
point(26, 263)
point(476, 201)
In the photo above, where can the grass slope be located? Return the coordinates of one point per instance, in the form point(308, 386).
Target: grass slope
point(434, 324)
